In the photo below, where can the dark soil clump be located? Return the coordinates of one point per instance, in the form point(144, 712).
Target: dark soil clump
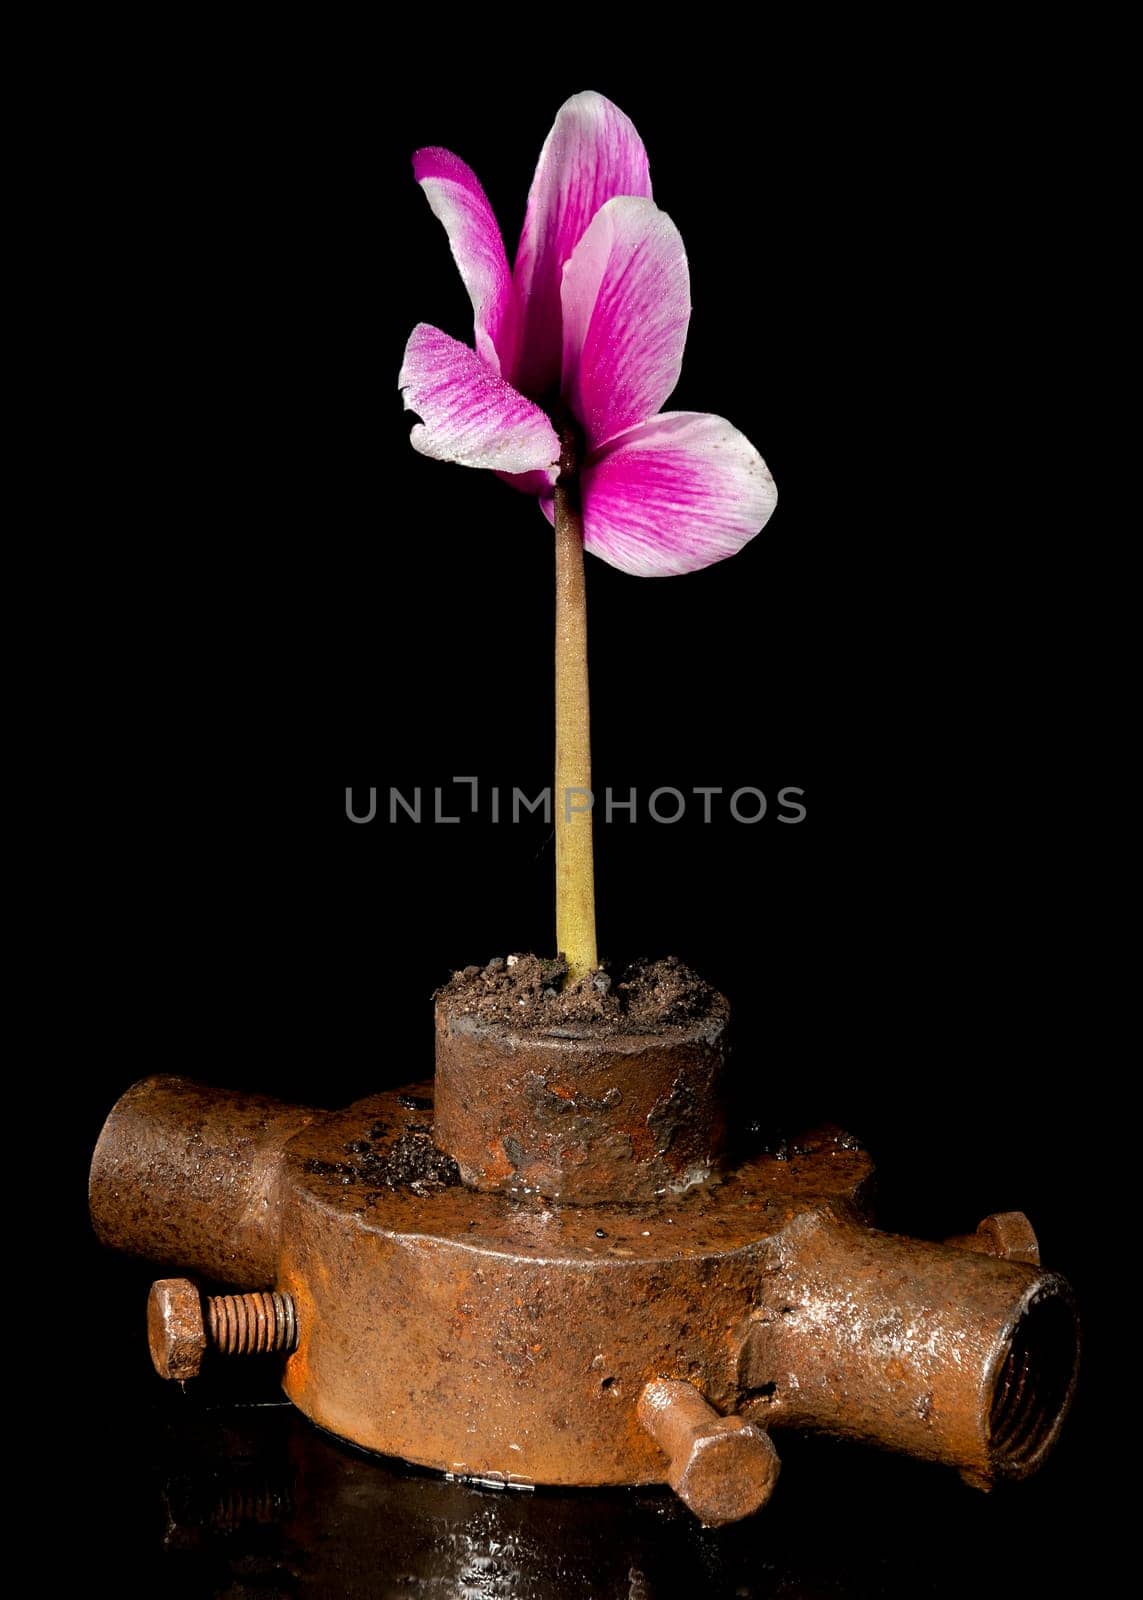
point(411, 1161)
point(526, 992)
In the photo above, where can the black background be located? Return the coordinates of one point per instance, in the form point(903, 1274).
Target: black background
point(303, 603)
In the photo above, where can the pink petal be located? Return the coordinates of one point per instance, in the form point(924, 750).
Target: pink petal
point(533, 483)
point(675, 494)
point(454, 193)
point(591, 155)
point(469, 413)
point(626, 306)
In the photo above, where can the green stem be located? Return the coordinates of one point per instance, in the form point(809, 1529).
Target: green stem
point(575, 873)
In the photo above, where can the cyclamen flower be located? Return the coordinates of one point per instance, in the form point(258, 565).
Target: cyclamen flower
point(599, 305)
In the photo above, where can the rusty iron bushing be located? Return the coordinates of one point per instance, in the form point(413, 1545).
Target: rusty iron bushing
point(576, 1117)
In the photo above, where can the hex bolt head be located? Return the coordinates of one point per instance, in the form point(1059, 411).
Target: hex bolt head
point(721, 1468)
point(1006, 1234)
point(1011, 1236)
point(176, 1331)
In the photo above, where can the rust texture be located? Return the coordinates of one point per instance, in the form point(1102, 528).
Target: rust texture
point(188, 1175)
point(252, 1324)
point(180, 1328)
point(511, 1339)
point(502, 1334)
point(579, 1119)
point(721, 1468)
point(943, 1353)
point(176, 1333)
point(1007, 1234)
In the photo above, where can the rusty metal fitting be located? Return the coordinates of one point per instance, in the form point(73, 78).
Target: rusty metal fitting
point(580, 1119)
point(936, 1351)
point(260, 1322)
point(1006, 1234)
point(188, 1176)
point(176, 1332)
point(497, 1333)
point(721, 1468)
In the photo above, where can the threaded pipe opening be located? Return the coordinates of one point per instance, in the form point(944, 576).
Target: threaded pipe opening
point(1034, 1381)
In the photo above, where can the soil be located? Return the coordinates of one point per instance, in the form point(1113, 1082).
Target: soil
point(526, 992)
point(410, 1161)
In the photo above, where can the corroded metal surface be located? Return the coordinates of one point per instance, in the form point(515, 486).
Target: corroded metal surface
point(511, 1339)
point(906, 1345)
point(176, 1333)
point(253, 1324)
point(579, 1118)
point(721, 1468)
point(503, 1336)
point(188, 1175)
point(1007, 1234)
point(182, 1324)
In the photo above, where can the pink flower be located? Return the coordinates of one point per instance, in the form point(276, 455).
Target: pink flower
point(598, 304)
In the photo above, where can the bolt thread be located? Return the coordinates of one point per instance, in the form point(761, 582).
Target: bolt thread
point(234, 1506)
point(261, 1323)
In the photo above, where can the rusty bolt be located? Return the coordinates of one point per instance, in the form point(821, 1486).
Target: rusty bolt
point(175, 1329)
point(179, 1333)
point(1007, 1234)
point(721, 1468)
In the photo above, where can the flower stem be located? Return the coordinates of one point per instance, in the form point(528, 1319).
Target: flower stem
point(575, 873)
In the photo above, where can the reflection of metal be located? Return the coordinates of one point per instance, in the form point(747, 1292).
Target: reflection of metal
point(254, 1502)
point(499, 1333)
point(262, 1504)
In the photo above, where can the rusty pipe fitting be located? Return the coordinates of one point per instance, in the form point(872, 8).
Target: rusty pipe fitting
point(580, 1119)
point(495, 1333)
point(943, 1353)
point(721, 1468)
point(189, 1175)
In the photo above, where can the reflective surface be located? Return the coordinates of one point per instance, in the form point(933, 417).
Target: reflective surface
point(223, 1490)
